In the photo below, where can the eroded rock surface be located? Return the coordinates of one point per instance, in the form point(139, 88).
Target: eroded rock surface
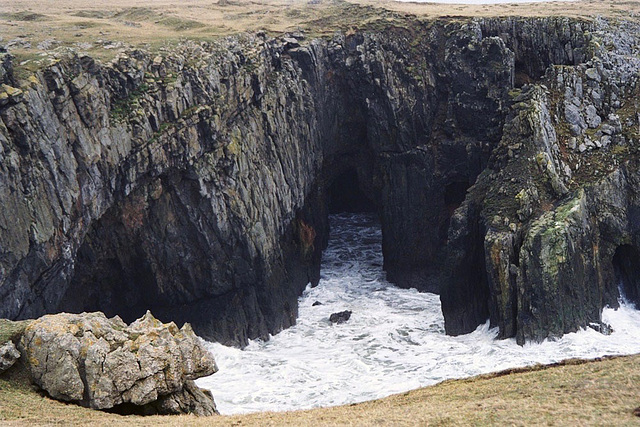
point(102, 363)
point(552, 224)
point(196, 181)
point(9, 354)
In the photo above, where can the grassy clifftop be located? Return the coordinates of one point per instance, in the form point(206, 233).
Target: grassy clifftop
point(31, 30)
point(604, 392)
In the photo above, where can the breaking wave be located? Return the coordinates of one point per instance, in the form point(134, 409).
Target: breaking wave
point(393, 342)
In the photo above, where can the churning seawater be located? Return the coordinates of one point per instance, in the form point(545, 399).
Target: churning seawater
point(393, 342)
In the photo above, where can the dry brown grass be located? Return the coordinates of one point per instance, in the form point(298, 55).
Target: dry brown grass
point(604, 392)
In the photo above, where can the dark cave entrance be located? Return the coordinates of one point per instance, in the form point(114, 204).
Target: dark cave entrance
point(523, 75)
point(626, 265)
point(454, 194)
point(347, 195)
point(112, 273)
point(144, 253)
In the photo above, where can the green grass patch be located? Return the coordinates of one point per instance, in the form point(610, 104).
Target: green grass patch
point(11, 330)
point(24, 16)
point(122, 108)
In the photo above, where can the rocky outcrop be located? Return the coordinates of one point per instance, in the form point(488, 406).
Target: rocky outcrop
point(553, 218)
point(196, 182)
point(104, 364)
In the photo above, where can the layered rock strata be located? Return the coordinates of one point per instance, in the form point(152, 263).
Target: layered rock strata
point(500, 153)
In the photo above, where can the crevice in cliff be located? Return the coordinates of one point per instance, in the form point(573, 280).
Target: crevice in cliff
point(521, 76)
point(111, 273)
point(627, 272)
point(454, 194)
point(346, 194)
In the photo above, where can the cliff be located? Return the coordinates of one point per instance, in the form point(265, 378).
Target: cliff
point(195, 181)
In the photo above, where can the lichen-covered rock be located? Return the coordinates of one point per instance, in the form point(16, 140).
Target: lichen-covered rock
point(102, 363)
point(190, 400)
point(552, 228)
point(9, 354)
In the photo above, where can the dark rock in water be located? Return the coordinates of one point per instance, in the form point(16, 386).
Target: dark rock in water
point(603, 328)
point(9, 354)
point(316, 303)
point(104, 364)
point(340, 317)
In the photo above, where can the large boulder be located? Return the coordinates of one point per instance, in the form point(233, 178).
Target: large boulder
point(102, 363)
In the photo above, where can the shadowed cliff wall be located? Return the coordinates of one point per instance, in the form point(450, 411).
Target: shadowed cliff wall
point(196, 183)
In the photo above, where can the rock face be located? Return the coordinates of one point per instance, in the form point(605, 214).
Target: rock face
point(550, 225)
point(104, 364)
point(9, 354)
point(501, 155)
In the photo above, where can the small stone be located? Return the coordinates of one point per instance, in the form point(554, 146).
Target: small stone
point(605, 141)
point(574, 118)
point(582, 148)
point(593, 119)
point(316, 303)
point(8, 355)
point(575, 130)
point(291, 42)
point(592, 74)
point(572, 143)
point(607, 129)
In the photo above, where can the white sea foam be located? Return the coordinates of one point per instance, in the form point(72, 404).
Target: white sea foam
point(393, 342)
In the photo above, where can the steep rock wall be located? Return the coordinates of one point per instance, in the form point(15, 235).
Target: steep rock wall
point(195, 183)
point(153, 182)
point(556, 204)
